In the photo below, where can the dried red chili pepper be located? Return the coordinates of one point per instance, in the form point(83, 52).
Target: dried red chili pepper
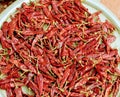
point(18, 92)
point(58, 48)
point(40, 83)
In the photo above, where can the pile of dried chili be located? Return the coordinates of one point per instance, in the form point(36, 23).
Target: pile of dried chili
point(57, 48)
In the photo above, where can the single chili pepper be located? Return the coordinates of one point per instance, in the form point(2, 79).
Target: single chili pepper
point(53, 91)
point(40, 83)
point(108, 90)
point(30, 67)
point(51, 33)
point(64, 52)
point(72, 72)
point(5, 29)
point(18, 92)
point(34, 87)
point(81, 82)
point(73, 94)
point(7, 69)
point(19, 65)
point(4, 43)
point(65, 76)
point(49, 77)
point(36, 39)
point(4, 81)
point(55, 70)
point(73, 81)
point(1, 33)
point(116, 88)
point(55, 7)
point(47, 12)
point(10, 92)
point(12, 26)
point(86, 69)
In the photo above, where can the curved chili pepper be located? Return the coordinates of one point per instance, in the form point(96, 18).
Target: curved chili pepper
point(18, 92)
point(65, 76)
point(40, 83)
